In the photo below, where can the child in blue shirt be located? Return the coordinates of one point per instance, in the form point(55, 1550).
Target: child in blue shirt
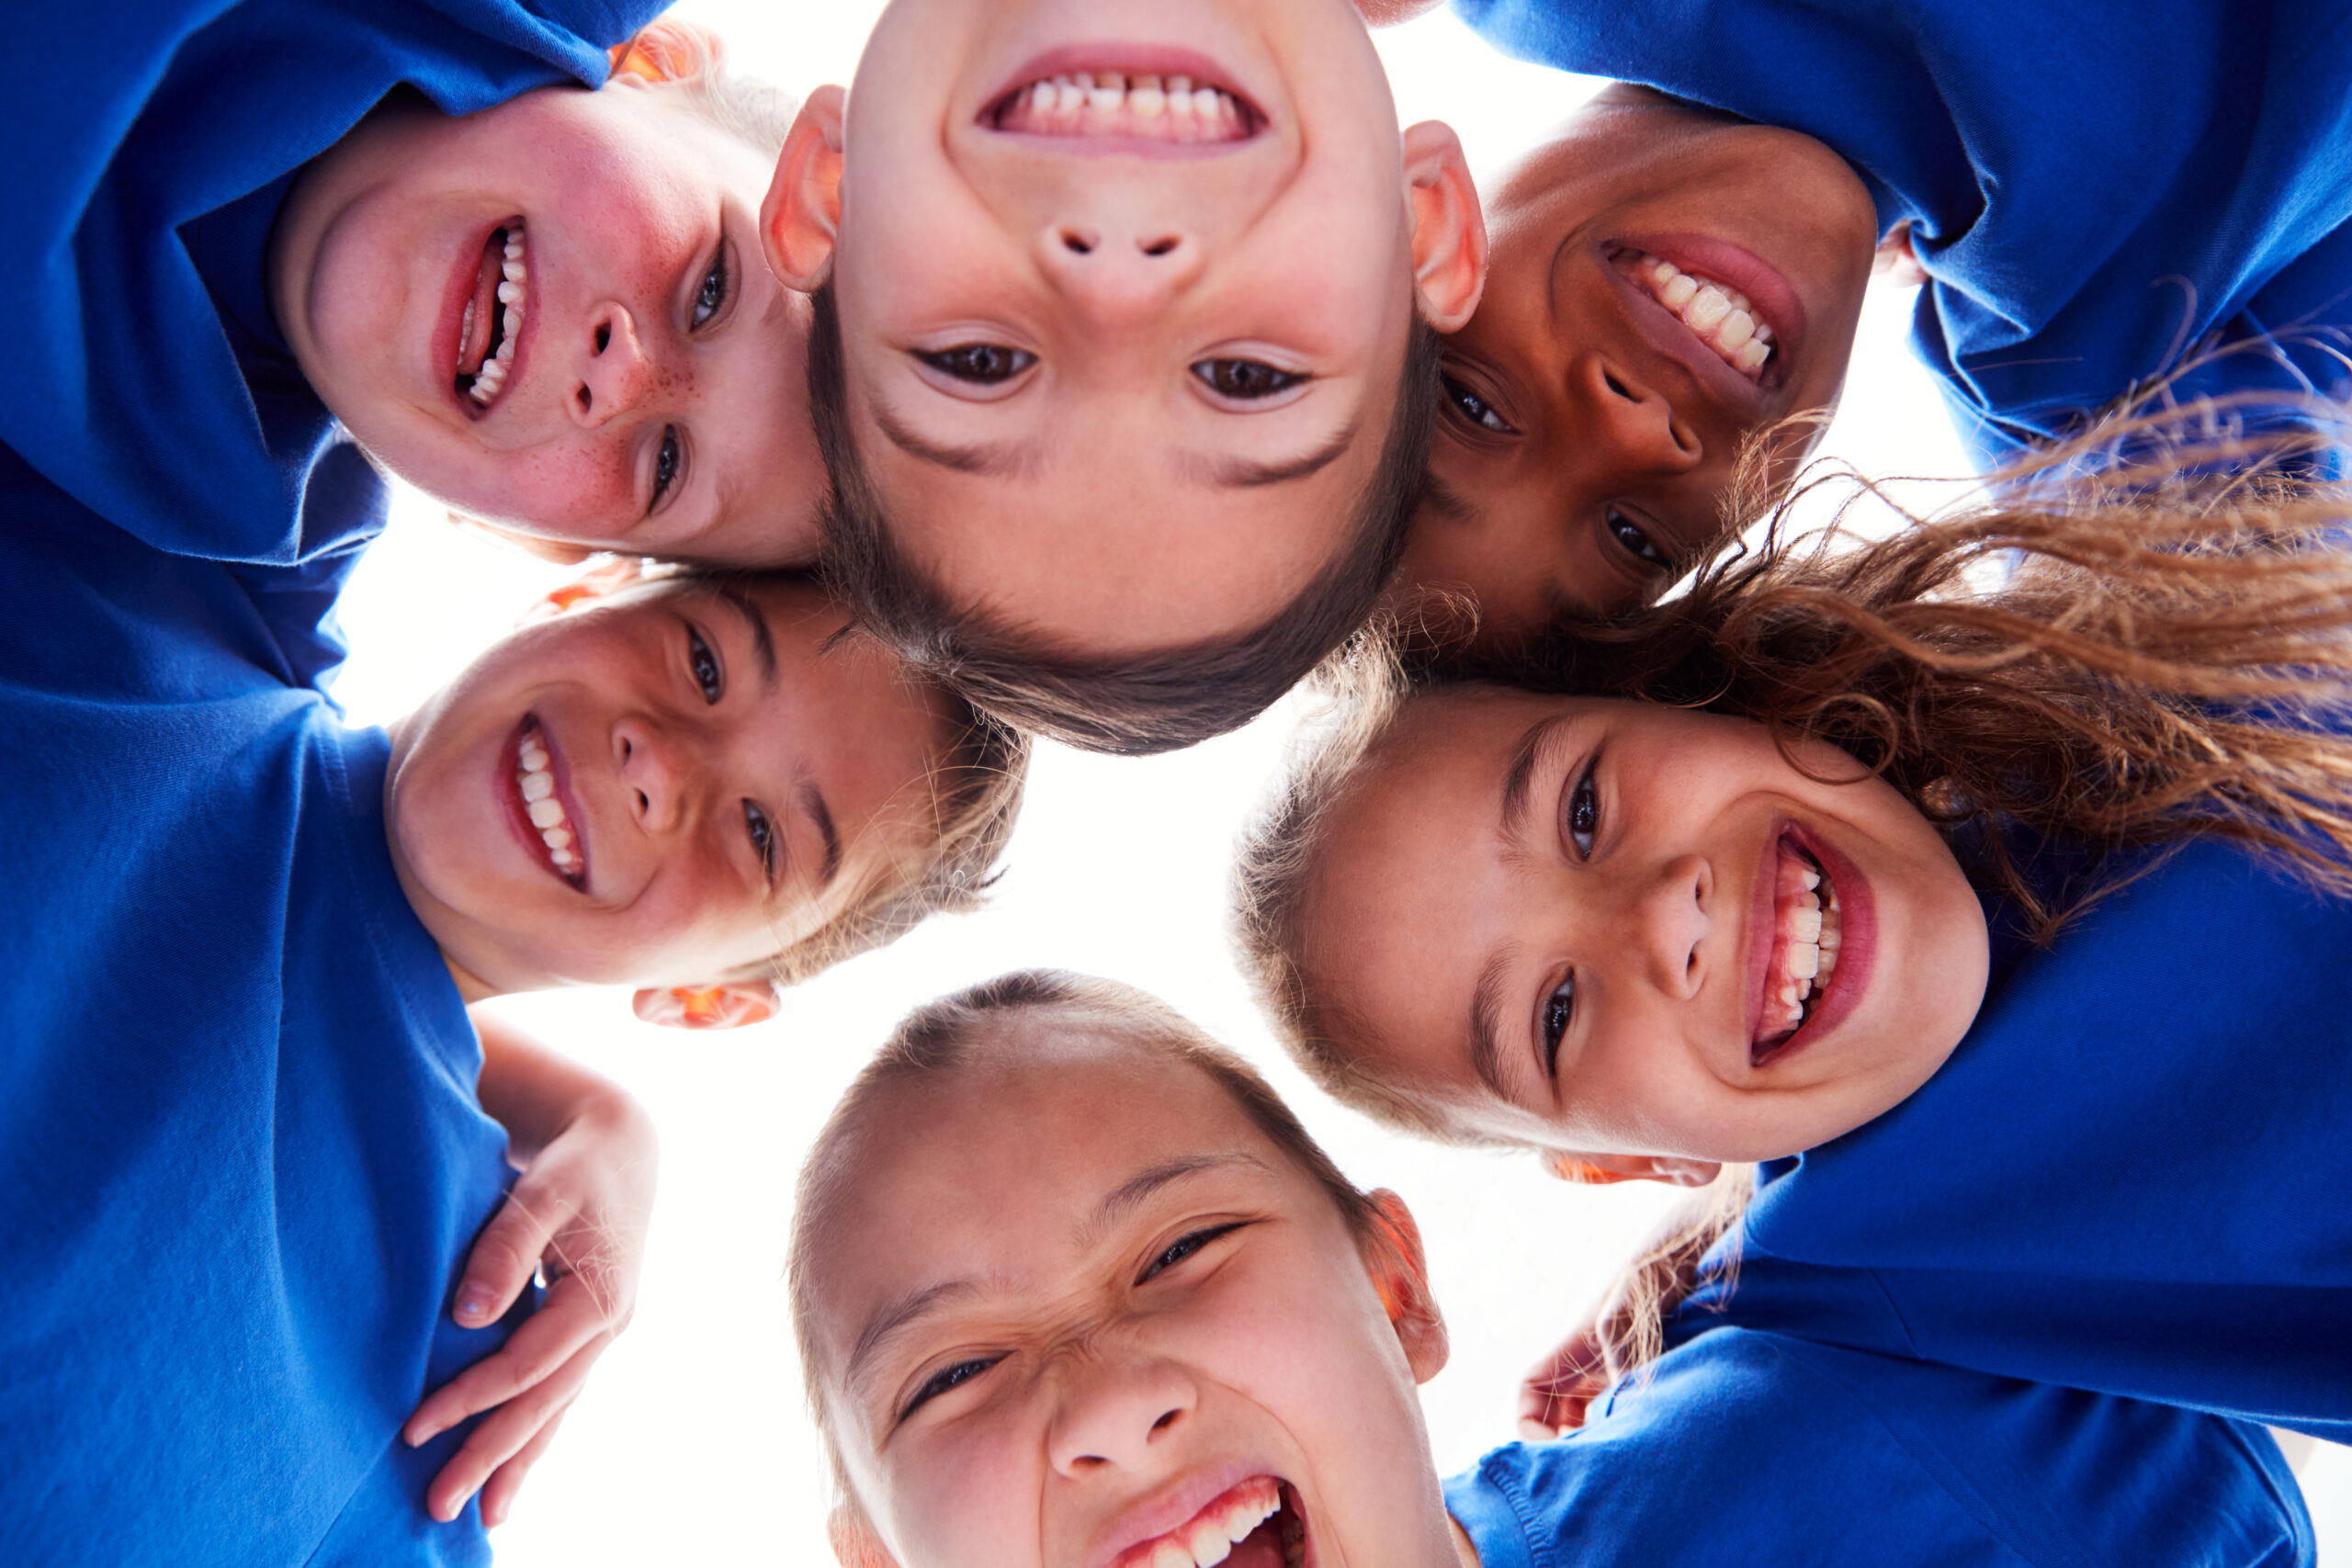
point(1125, 350)
point(243, 1153)
point(1131, 1315)
point(233, 226)
point(2025, 1021)
point(2100, 197)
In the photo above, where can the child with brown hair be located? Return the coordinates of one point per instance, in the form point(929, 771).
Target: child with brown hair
point(1997, 924)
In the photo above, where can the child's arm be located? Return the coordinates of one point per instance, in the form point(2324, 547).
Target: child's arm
point(579, 1211)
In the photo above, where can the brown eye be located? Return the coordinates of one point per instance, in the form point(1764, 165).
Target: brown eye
point(1628, 533)
point(1245, 380)
point(985, 362)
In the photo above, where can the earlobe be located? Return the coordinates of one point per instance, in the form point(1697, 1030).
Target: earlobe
point(1449, 228)
point(666, 51)
point(1400, 1277)
point(801, 216)
point(731, 1004)
point(1605, 1170)
point(852, 1538)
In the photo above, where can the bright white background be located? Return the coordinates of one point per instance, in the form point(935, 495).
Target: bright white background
point(691, 1444)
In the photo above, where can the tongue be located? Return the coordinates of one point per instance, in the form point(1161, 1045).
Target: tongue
point(480, 324)
point(1261, 1547)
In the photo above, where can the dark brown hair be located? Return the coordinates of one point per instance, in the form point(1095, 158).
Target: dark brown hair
point(1136, 703)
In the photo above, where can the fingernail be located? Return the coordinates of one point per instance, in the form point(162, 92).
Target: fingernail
point(474, 1305)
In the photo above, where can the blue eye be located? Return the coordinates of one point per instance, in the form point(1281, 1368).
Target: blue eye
point(712, 295)
point(1559, 1009)
point(665, 465)
point(1581, 815)
point(704, 666)
point(985, 362)
point(1245, 380)
point(948, 1379)
point(1470, 406)
point(762, 836)
point(1627, 533)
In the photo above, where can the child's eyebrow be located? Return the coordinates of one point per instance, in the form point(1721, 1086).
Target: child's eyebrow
point(1240, 473)
point(813, 803)
point(762, 640)
point(988, 460)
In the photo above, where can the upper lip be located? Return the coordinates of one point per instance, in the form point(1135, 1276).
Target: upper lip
point(1162, 1510)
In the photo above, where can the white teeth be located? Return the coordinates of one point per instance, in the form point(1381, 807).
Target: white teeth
point(1209, 1544)
point(1679, 292)
point(533, 759)
point(537, 786)
point(1721, 316)
point(1205, 102)
point(1146, 98)
point(1735, 329)
point(1810, 877)
point(546, 814)
point(1805, 960)
point(1171, 1553)
point(557, 838)
point(1707, 309)
point(1073, 96)
point(1753, 353)
point(1806, 926)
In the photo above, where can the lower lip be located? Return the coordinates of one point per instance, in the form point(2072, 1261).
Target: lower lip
point(518, 815)
point(1856, 947)
point(445, 349)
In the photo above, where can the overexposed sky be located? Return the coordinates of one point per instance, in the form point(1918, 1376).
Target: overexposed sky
point(691, 1444)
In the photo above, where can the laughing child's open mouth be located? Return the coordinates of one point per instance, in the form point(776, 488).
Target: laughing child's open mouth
point(1258, 1524)
point(494, 316)
point(1718, 314)
point(1806, 931)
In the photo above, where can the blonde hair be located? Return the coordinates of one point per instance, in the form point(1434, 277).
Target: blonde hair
point(943, 1035)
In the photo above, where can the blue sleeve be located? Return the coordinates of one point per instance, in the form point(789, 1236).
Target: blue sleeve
point(1746, 1449)
point(2101, 192)
point(126, 387)
point(2088, 1189)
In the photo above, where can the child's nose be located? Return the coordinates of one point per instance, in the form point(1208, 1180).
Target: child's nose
point(1670, 922)
point(654, 773)
point(1632, 418)
point(1118, 275)
point(1114, 1414)
point(616, 374)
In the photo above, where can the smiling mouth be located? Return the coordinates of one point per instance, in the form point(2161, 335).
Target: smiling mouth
point(560, 849)
point(1125, 107)
point(1718, 315)
point(493, 315)
point(1258, 1524)
point(1807, 930)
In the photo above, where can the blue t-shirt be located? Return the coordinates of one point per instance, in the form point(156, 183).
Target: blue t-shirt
point(2097, 189)
point(1750, 1450)
point(241, 1156)
point(142, 160)
point(2122, 1178)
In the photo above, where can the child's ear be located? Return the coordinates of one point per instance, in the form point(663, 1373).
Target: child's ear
point(803, 210)
point(730, 1004)
point(666, 51)
point(852, 1538)
point(1400, 1276)
point(1604, 1170)
point(1448, 229)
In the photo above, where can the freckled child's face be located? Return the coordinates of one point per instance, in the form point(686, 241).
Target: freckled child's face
point(1594, 406)
point(656, 788)
point(554, 315)
point(1119, 364)
point(1099, 1309)
point(1620, 929)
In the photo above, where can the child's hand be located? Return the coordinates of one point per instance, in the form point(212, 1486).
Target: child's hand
point(1558, 1389)
point(579, 1212)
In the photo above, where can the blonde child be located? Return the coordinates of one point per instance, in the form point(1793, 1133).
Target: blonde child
point(1073, 1288)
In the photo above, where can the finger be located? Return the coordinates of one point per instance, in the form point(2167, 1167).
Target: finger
point(503, 1434)
point(508, 1253)
point(555, 1333)
point(497, 1491)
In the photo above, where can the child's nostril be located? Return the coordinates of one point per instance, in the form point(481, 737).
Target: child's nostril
point(1159, 247)
point(1077, 244)
point(604, 337)
point(1615, 385)
point(586, 397)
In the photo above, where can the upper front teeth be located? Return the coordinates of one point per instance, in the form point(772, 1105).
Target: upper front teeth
point(1210, 1539)
point(1109, 103)
point(513, 272)
point(1726, 320)
point(1813, 934)
point(537, 783)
